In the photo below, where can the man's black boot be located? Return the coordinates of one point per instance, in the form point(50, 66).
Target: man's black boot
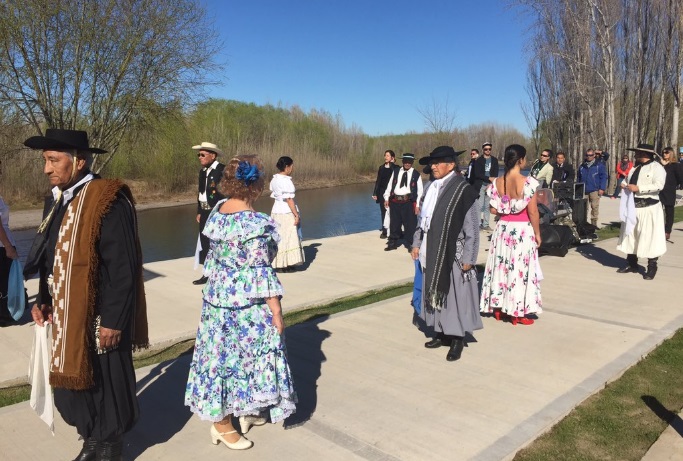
point(632, 265)
point(457, 345)
point(88, 452)
point(651, 269)
point(438, 341)
point(110, 450)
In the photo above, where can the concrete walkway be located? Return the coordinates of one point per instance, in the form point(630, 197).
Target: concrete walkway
point(368, 388)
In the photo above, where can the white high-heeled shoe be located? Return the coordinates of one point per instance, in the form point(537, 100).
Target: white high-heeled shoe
point(246, 421)
point(241, 444)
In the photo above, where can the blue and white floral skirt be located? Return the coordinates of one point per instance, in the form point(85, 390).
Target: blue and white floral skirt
point(239, 366)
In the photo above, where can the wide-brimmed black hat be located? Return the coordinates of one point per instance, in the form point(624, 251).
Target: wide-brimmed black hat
point(440, 153)
point(408, 157)
point(62, 139)
point(646, 148)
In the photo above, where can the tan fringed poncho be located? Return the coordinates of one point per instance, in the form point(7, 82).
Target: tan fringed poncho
point(76, 274)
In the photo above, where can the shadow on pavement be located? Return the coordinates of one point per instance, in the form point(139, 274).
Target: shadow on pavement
point(304, 351)
point(162, 410)
point(601, 256)
point(668, 416)
point(310, 252)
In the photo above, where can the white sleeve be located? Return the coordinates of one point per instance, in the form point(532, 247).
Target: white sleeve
point(387, 191)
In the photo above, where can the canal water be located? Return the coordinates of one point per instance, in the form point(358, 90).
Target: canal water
point(170, 233)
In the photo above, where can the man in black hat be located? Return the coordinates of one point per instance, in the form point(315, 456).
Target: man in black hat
point(642, 233)
point(88, 256)
point(446, 244)
point(383, 175)
point(401, 197)
point(209, 178)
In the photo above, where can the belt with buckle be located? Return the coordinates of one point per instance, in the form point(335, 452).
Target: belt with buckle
point(645, 202)
point(204, 205)
point(401, 198)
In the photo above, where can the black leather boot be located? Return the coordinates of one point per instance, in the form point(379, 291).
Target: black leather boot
point(651, 269)
point(440, 340)
point(632, 265)
point(457, 345)
point(111, 450)
point(88, 452)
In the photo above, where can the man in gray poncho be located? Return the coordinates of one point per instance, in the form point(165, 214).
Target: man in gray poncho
point(446, 243)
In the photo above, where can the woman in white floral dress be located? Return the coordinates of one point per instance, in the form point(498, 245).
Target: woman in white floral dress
point(512, 278)
point(239, 366)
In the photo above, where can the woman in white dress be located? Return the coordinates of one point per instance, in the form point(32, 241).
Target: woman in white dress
point(286, 214)
point(512, 279)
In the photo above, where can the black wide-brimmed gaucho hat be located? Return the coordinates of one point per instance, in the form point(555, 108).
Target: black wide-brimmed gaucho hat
point(408, 157)
point(56, 138)
point(645, 148)
point(439, 153)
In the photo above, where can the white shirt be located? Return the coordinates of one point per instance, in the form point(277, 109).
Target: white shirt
point(282, 188)
point(68, 194)
point(405, 190)
point(4, 215)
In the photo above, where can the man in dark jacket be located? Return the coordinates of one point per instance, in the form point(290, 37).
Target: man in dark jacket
point(90, 289)
point(593, 174)
point(484, 172)
point(383, 174)
point(563, 170)
point(209, 178)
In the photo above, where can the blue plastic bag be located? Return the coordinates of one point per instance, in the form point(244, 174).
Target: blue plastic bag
point(16, 297)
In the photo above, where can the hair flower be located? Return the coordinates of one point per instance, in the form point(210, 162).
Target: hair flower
point(247, 173)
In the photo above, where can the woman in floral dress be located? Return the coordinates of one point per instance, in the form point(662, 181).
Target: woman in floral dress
point(239, 366)
point(512, 278)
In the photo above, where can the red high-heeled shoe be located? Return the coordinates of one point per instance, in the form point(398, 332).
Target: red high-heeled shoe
point(497, 314)
point(522, 320)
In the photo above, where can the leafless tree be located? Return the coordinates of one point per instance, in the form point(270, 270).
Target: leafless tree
point(106, 66)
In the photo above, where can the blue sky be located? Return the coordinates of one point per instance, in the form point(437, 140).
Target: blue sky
point(375, 62)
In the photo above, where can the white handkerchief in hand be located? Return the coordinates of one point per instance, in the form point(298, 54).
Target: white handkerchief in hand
point(39, 375)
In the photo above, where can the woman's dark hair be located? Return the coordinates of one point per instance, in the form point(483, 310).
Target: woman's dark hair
point(391, 153)
point(513, 154)
point(283, 162)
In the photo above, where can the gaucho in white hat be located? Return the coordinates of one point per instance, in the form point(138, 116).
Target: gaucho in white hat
point(210, 177)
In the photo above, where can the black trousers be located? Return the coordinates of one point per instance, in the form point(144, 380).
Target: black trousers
point(402, 215)
point(204, 240)
point(668, 218)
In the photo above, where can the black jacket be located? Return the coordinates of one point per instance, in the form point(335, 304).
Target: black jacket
point(214, 179)
point(382, 181)
point(563, 173)
point(674, 179)
point(479, 176)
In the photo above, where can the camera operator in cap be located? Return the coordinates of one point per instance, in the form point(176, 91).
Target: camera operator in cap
point(87, 253)
point(484, 172)
point(209, 178)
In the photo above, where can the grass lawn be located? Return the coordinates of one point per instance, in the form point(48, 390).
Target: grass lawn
point(623, 420)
